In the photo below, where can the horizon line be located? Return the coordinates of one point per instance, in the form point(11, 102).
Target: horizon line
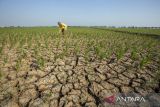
point(88, 26)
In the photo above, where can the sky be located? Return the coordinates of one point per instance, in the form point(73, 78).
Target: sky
point(80, 12)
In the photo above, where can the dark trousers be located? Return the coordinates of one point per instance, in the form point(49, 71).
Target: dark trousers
point(62, 31)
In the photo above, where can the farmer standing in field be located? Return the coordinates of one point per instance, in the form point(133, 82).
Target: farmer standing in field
point(62, 27)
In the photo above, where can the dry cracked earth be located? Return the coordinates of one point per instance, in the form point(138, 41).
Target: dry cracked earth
point(72, 81)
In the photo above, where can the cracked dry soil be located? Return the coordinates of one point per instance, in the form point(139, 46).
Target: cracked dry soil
point(73, 82)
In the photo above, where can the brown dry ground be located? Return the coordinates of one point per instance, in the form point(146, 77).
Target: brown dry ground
point(71, 81)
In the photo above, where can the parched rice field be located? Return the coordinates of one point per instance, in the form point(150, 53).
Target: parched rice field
point(41, 68)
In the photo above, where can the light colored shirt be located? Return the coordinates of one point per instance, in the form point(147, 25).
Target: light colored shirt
point(63, 26)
